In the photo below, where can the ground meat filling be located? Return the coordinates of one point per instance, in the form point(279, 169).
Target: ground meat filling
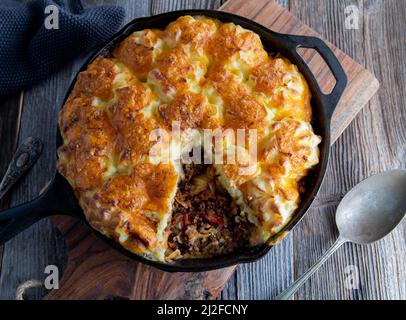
point(205, 219)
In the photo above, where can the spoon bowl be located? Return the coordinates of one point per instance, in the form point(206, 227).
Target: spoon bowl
point(373, 208)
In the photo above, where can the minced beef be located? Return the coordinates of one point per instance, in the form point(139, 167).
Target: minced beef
point(205, 220)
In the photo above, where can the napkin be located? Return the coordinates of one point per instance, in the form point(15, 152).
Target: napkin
point(38, 37)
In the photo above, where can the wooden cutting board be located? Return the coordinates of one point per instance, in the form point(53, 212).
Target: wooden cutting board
point(95, 271)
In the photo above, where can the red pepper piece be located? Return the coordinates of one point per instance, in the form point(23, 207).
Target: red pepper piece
point(215, 220)
point(186, 220)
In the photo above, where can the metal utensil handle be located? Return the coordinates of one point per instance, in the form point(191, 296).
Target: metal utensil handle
point(288, 292)
point(23, 159)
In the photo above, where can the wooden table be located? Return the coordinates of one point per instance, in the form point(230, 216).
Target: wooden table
point(375, 141)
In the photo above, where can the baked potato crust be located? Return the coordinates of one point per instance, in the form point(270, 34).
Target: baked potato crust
point(203, 74)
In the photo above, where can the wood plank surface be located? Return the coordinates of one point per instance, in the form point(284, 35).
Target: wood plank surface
point(10, 110)
point(365, 148)
point(375, 141)
point(369, 145)
point(26, 256)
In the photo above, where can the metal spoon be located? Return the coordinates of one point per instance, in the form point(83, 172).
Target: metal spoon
point(369, 212)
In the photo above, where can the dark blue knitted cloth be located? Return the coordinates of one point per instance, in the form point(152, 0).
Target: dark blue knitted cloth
point(29, 51)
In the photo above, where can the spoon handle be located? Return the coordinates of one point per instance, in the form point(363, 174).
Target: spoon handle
point(288, 292)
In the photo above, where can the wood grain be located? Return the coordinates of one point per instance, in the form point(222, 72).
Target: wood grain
point(161, 6)
point(373, 142)
point(103, 273)
point(26, 256)
point(10, 109)
point(365, 135)
point(366, 147)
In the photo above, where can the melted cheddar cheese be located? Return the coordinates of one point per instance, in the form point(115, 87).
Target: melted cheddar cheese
point(204, 74)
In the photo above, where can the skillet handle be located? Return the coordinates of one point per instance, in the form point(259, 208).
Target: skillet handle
point(329, 100)
point(15, 220)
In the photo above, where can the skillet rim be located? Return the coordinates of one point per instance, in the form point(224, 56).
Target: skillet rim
point(324, 117)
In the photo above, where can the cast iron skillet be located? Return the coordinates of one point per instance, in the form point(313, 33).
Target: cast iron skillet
point(58, 197)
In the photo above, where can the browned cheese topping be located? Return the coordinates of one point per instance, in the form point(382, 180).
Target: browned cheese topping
point(203, 74)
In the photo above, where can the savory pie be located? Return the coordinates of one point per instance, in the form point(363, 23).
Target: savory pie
point(197, 74)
